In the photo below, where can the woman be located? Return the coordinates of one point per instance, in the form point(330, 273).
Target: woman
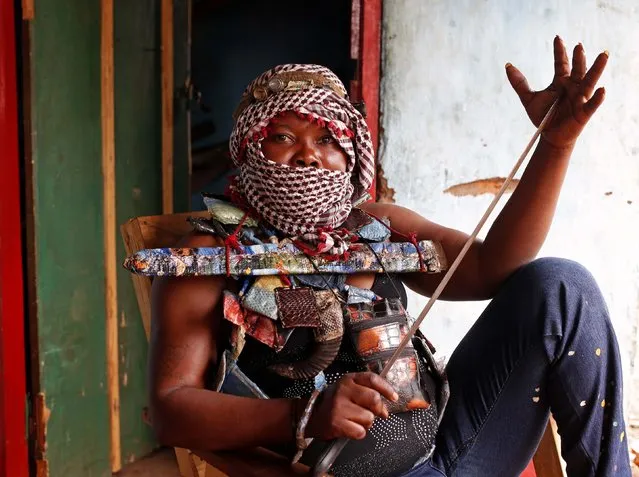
point(544, 343)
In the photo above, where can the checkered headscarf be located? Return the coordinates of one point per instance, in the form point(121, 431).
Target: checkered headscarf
point(300, 200)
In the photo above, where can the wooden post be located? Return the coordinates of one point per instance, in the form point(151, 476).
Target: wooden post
point(547, 459)
point(370, 61)
point(167, 106)
point(109, 217)
point(13, 441)
point(28, 10)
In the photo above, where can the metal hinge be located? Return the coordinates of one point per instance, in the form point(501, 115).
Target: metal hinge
point(189, 93)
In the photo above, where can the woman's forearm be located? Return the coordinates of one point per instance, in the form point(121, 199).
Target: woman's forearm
point(519, 231)
point(206, 420)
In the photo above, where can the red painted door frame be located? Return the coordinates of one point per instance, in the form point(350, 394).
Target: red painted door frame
point(13, 438)
point(366, 48)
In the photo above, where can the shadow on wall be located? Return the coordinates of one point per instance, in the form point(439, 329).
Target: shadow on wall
point(232, 43)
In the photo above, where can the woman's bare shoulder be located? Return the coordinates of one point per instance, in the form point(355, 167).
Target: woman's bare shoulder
point(395, 213)
point(379, 207)
point(407, 221)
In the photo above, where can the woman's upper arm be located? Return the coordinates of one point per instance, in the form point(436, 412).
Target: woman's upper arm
point(185, 319)
point(467, 283)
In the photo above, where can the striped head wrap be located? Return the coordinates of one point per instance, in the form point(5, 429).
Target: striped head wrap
point(301, 201)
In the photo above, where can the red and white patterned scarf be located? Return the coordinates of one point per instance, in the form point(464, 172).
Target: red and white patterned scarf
point(302, 202)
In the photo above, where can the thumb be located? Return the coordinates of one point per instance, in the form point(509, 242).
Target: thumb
point(519, 83)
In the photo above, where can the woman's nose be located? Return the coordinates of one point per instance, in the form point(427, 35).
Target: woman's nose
point(307, 157)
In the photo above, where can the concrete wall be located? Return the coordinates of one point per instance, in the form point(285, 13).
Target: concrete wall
point(449, 116)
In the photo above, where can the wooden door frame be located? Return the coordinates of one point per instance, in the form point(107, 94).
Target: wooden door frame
point(13, 445)
point(366, 49)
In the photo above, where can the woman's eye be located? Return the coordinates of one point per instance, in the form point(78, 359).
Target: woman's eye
point(326, 139)
point(281, 138)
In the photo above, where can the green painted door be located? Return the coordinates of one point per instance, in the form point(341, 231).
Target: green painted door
point(64, 187)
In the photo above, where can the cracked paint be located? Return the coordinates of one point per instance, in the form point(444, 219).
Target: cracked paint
point(481, 186)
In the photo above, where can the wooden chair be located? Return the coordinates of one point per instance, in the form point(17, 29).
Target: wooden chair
point(164, 231)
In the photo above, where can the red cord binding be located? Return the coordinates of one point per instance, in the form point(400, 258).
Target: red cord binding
point(233, 241)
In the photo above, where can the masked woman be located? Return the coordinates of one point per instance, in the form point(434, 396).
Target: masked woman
point(314, 343)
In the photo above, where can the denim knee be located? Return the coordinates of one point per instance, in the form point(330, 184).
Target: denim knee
point(564, 300)
point(547, 275)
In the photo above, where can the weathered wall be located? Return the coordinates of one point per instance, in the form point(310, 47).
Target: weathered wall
point(449, 116)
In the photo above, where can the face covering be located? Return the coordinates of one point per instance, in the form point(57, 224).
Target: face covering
point(301, 201)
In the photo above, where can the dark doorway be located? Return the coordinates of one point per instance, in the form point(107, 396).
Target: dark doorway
point(233, 42)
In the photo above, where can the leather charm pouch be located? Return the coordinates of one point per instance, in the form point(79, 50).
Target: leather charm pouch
point(296, 307)
point(327, 339)
point(331, 324)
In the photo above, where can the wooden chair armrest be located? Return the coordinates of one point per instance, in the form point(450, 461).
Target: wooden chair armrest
point(257, 462)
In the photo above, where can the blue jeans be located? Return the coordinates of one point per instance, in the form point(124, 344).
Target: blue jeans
point(544, 344)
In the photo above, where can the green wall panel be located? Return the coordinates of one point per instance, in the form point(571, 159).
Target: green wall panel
point(139, 192)
point(67, 193)
point(68, 233)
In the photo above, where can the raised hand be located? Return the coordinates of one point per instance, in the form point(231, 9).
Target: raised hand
point(577, 88)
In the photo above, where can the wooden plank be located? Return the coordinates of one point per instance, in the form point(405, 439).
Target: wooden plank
point(185, 463)
point(68, 236)
point(356, 18)
point(257, 462)
point(551, 428)
point(182, 109)
point(13, 444)
point(370, 61)
point(167, 229)
point(108, 204)
point(28, 9)
point(139, 192)
point(547, 459)
point(158, 231)
point(167, 105)
point(133, 241)
point(210, 471)
point(41, 418)
point(205, 469)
